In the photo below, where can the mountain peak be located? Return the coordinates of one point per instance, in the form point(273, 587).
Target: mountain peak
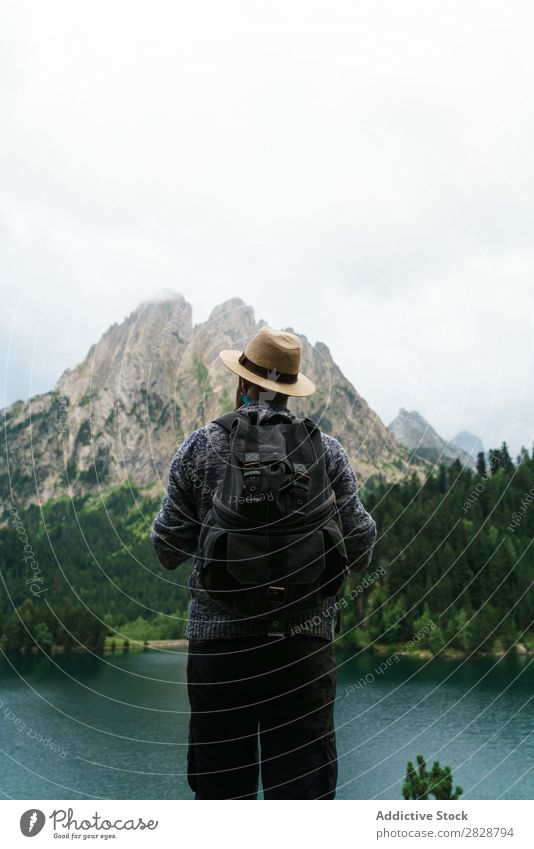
point(234, 308)
point(419, 437)
point(154, 378)
point(412, 415)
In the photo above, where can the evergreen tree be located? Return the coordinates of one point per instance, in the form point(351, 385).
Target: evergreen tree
point(440, 561)
point(494, 456)
point(420, 783)
point(506, 460)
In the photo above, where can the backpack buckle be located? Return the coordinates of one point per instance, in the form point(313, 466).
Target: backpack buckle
point(301, 479)
point(252, 465)
point(251, 469)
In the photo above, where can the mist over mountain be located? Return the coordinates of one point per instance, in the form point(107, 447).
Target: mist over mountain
point(469, 443)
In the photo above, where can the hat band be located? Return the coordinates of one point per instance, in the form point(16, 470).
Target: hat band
point(270, 374)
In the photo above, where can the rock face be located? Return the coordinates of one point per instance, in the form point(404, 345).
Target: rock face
point(469, 443)
point(151, 380)
point(422, 441)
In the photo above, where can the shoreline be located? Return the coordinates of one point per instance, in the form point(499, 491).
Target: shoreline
point(380, 649)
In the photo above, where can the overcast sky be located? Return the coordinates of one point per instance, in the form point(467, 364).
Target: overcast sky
point(362, 172)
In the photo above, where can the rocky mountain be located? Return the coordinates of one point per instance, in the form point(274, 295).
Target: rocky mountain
point(422, 441)
point(151, 380)
point(469, 443)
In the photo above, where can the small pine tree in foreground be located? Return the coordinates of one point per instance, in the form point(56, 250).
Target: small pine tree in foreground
point(419, 783)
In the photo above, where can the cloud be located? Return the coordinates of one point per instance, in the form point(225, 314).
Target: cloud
point(361, 173)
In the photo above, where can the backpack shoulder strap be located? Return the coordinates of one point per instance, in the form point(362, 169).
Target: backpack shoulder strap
point(313, 446)
point(310, 424)
point(226, 421)
point(277, 418)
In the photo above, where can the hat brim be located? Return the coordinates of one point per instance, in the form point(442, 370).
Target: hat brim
point(302, 387)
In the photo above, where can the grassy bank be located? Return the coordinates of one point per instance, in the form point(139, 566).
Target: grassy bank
point(112, 645)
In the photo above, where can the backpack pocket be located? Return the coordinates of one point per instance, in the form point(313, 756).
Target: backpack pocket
point(335, 550)
point(258, 559)
point(336, 571)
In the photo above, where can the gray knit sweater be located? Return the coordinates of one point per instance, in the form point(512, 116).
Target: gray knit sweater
point(195, 472)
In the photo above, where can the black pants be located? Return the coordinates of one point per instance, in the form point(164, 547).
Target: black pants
point(275, 691)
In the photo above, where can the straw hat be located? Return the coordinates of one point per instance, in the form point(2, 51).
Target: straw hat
point(271, 360)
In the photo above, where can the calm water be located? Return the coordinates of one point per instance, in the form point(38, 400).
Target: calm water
point(120, 723)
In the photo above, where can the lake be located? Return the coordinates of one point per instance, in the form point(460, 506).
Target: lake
point(115, 726)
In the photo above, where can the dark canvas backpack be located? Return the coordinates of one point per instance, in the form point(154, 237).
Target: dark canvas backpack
point(272, 542)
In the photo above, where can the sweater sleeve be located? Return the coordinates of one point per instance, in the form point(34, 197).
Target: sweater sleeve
point(176, 527)
point(359, 528)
